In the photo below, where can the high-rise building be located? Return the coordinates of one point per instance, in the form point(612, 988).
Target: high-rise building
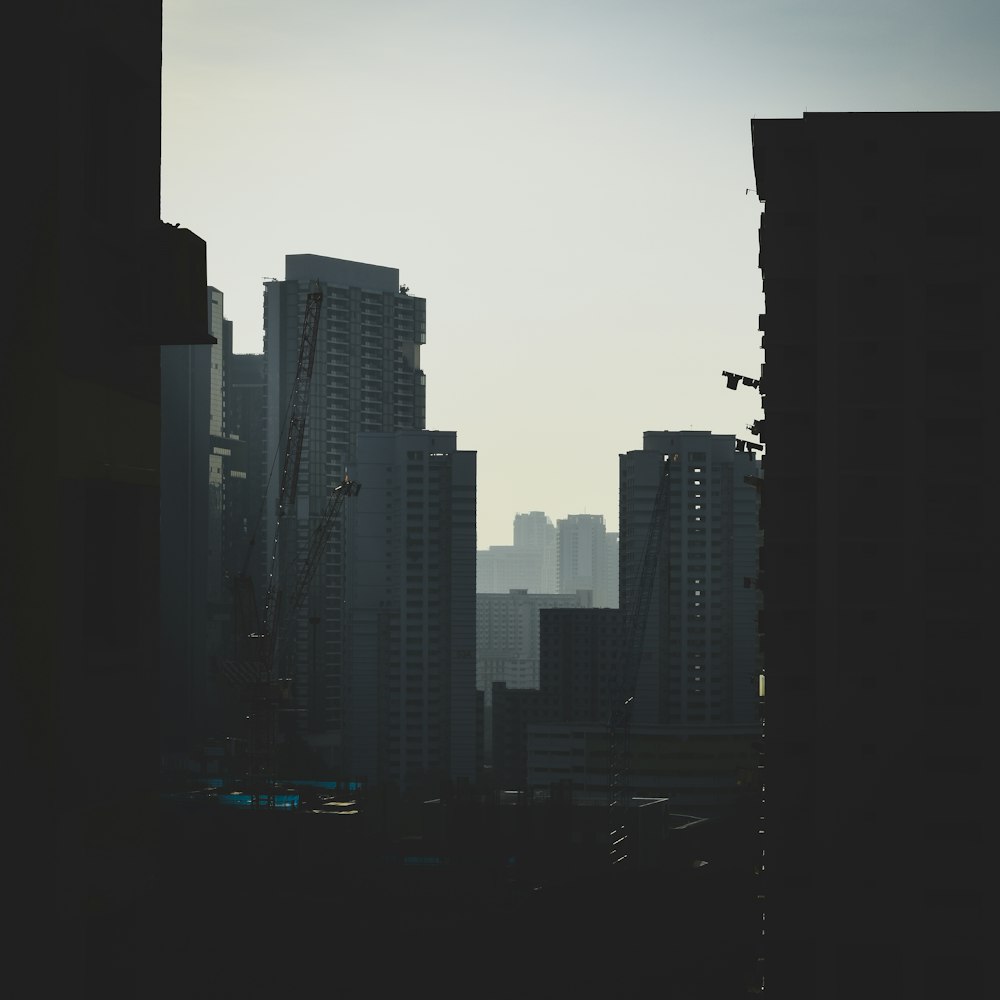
point(411, 613)
point(365, 378)
point(529, 564)
point(699, 659)
point(882, 291)
point(586, 558)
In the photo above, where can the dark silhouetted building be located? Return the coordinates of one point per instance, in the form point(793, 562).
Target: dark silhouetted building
point(881, 275)
point(204, 511)
point(507, 634)
point(507, 643)
point(98, 284)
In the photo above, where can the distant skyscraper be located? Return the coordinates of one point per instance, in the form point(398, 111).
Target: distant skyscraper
point(529, 564)
point(366, 378)
point(881, 279)
point(699, 660)
point(411, 607)
point(585, 560)
point(535, 532)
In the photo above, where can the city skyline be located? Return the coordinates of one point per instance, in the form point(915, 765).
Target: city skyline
point(570, 187)
point(148, 871)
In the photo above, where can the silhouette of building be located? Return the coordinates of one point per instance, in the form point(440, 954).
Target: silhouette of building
point(558, 734)
point(245, 420)
point(702, 769)
point(211, 483)
point(507, 642)
point(366, 377)
point(700, 659)
point(529, 564)
point(202, 496)
point(507, 634)
point(80, 404)
point(411, 613)
point(882, 287)
point(587, 558)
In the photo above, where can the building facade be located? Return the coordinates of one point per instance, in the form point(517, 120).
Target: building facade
point(507, 643)
point(411, 613)
point(529, 564)
point(699, 659)
point(507, 631)
point(579, 649)
point(881, 281)
point(366, 378)
point(587, 558)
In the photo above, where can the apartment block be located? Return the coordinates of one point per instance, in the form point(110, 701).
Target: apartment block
point(587, 558)
point(411, 613)
point(699, 659)
point(365, 378)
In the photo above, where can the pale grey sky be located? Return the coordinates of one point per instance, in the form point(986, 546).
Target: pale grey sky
point(564, 182)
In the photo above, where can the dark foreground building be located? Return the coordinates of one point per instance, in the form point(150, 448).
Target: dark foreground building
point(99, 283)
point(881, 276)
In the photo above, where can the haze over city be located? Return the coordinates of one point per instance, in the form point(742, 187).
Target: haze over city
point(570, 187)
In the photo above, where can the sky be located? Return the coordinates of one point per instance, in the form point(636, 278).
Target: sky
point(569, 185)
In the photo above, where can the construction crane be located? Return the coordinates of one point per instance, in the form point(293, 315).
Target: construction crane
point(259, 632)
point(269, 690)
point(317, 543)
point(295, 429)
point(636, 614)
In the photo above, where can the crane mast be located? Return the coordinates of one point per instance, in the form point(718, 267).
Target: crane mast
point(258, 630)
point(636, 614)
point(294, 437)
point(317, 543)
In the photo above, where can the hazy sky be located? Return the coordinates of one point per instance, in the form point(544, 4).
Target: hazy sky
point(564, 182)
